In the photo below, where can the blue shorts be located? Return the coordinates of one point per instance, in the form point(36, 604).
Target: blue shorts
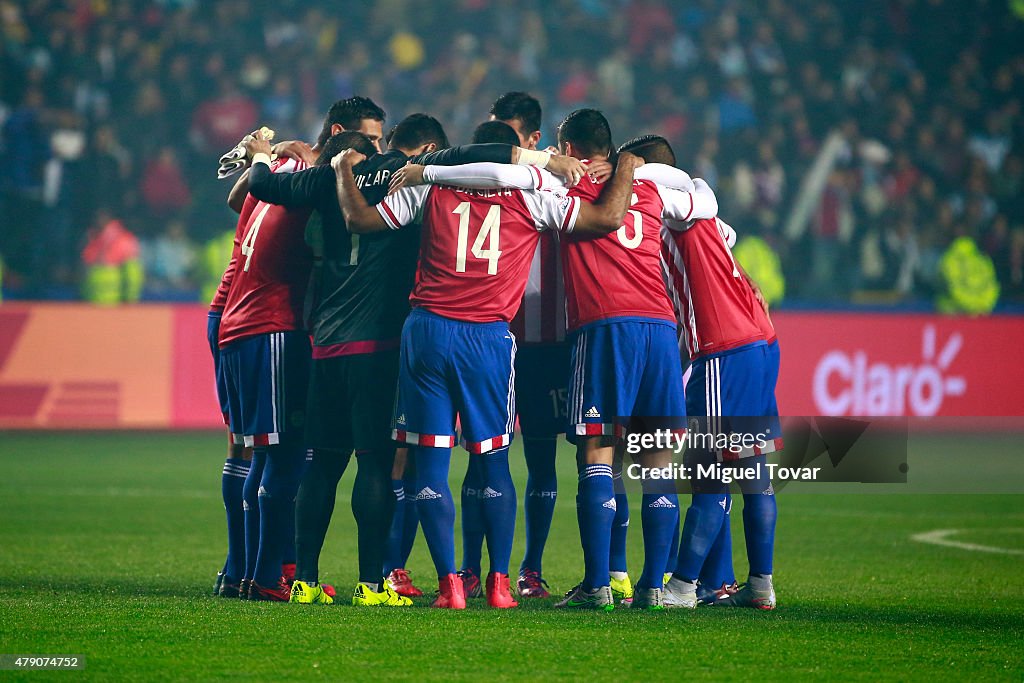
point(212, 331)
point(267, 376)
point(733, 394)
point(541, 389)
point(448, 368)
point(621, 369)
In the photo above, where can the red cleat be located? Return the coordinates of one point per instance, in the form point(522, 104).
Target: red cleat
point(499, 592)
point(279, 593)
point(471, 587)
point(288, 572)
point(401, 583)
point(449, 593)
point(531, 585)
point(328, 590)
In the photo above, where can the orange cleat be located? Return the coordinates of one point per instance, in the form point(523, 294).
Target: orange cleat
point(401, 583)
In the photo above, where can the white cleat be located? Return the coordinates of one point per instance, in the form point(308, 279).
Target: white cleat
point(757, 593)
point(679, 594)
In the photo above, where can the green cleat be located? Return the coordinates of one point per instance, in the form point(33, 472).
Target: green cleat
point(597, 599)
point(622, 589)
point(364, 596)
point(309, 594)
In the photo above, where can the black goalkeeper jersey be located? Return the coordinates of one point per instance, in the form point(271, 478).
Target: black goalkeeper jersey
point(360, 292)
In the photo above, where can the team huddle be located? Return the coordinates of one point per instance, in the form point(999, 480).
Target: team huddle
point(390, 303)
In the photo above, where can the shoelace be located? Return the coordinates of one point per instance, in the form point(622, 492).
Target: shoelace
point(533, 580)
point(402, 576)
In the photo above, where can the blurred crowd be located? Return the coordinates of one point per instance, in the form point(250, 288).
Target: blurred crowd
point(119, 110)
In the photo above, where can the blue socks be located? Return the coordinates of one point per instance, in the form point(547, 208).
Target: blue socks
point(659, 516)
point(759, 513)
point(232, 483)
point(718, 564)
point(436, 506)
point(498, 504)
point(595, 502)
point(539, 503)
point(278, 486)
point(473, 524)
point(700, 529)
point(620, 525)
point(251, 508)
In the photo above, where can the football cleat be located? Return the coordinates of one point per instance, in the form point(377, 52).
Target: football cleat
point(471, 587)
point(597, 599)
point(229, 588)
point(279, 593)
point(311, 593)
point(679, 594)
point(218, 583)
point(364, 596)
point(499, 591)
point(243, 589)
point(530, 585)
point(288, 572)
point(401, 582)
point(710, 596)
point(758, 593)
point(622, 589)
point(652, 599)
point(450, 593)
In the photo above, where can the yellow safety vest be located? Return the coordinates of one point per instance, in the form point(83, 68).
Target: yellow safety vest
point(216, 254)
point(763, 266)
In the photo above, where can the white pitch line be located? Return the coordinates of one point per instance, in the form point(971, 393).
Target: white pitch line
point(941, 537)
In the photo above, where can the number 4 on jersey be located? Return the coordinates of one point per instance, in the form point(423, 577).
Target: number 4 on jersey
point(249, 243)
point(489, 231)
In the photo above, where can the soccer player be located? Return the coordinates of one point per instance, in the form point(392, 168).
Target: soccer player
point(726, 333)
point(543, 355)
point(359, 307)
point(457, 352)
point(239, 457)
point(625, 362)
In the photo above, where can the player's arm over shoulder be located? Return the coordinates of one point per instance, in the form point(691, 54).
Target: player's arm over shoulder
point(401, 208)
point(606, 214)
point(688, 206)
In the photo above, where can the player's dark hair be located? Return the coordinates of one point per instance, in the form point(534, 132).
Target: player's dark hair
point(416, 130)
point(495, 131)
point(588, 131)
point(518, 105)
point(653, 149)
point(347, 139)
point(349, 114)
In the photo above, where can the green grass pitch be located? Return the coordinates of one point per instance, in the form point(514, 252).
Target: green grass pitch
point(109, 544)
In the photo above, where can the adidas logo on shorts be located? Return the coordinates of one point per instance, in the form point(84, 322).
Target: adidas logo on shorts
point(490, 493)
point(610, 504)
point(722, 503)
point(593, 412)
point(401, 419)
point(662, 502)
point(427, 493)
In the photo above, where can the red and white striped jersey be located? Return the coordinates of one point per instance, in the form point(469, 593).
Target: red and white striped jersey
point(541, 316)
point(477, 246)
point(272, 267)
point(220, 297)
point(619, 274)
point(716, 308)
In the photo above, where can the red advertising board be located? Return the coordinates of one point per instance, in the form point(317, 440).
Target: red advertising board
point(78, 366)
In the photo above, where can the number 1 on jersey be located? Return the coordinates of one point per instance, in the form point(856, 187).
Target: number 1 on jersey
point(489, 231)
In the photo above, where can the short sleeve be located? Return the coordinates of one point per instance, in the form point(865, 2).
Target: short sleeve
point(553, 210)
point(403, 207)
